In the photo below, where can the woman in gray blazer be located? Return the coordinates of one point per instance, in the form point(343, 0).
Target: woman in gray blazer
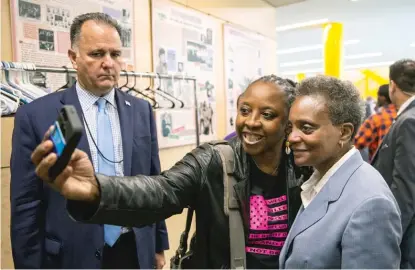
point(349, 217)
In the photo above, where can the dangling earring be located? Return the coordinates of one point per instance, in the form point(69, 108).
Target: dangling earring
point(287, 147)
point(341, 144)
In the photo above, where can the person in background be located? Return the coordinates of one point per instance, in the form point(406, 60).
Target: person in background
point(395, 158)
point(119, 137)
point(370, 107)
point(267, 190)
point(374, 128)
point(349, 217)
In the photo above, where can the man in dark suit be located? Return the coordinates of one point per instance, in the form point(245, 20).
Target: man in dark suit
point(119, 137)
point(395, 157)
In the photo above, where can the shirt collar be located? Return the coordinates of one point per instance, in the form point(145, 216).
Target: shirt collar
point(406, 104)
point(317, 181)
point(87, 99)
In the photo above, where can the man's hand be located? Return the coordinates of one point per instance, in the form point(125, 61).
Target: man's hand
point(76, 182)
point(160, 260)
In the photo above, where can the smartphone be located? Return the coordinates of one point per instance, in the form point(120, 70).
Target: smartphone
point(65, 136)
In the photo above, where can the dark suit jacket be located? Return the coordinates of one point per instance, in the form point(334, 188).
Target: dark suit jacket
point(42, 233)
point(395, 160)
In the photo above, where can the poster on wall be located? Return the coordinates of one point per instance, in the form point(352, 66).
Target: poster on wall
point(40, 31)
point(183, 42)
point(243, 56)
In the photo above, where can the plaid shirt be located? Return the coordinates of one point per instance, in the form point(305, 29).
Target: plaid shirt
point(374, 129)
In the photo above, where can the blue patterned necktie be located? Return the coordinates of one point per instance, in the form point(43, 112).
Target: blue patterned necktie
point(106, 146)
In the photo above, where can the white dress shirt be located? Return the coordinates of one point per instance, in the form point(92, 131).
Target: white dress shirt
point(406, 104)
point(317, 181)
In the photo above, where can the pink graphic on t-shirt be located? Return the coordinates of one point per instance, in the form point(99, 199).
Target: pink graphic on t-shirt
point(278, 218)
point(259, 213)
point(265, 235)
point(262, 251)
point(278, 226)
point(269, 243)
point(277, 200)
point(278, 209)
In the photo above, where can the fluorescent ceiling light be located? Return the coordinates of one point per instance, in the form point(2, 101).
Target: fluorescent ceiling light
point(301, 63)
point(305, 71)
point(301, 49)
point(318, 61)
point(312, 47)
point(301, 25)
point(363, 55)
point(351, 42)
point(349, 67)
point(375, 64)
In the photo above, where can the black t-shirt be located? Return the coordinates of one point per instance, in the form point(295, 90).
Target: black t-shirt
point(268, 219)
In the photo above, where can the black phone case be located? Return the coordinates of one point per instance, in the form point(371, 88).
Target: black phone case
point(71, 127)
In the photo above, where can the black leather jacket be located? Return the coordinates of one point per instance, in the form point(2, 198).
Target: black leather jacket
point(194, 181)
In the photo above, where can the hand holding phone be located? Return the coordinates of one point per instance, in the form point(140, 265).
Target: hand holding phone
point(65, 136)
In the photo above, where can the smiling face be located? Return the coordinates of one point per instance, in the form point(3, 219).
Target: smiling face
point(313, 138)
point(261, 119)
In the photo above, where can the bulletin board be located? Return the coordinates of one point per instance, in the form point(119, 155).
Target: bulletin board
point(244, 62)
point(40, 30)
point(183, 42)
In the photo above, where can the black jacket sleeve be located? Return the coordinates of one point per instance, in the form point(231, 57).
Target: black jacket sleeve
point(142, 200)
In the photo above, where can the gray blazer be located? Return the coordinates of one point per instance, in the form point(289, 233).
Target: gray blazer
point(354, 222)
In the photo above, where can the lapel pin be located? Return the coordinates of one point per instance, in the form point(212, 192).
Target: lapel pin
point(127, 103)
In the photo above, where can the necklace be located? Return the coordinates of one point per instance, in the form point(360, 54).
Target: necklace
point(274, 172)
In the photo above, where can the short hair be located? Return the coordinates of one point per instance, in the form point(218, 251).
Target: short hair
point(384, 92)
point(402, 72)
point(342, 99)
point(99, 17)
point(287, 86)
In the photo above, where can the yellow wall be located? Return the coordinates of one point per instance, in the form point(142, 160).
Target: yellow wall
point(254, 15)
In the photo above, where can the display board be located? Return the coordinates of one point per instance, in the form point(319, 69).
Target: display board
point(183, 42)
point(40, 30)
point(243, 56)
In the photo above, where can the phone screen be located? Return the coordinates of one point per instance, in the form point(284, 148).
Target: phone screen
point(58, 139)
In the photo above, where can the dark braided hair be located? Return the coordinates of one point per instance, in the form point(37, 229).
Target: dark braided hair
point(286, 85)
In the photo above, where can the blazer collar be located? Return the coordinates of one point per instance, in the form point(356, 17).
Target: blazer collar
point(317, 209)
point(406, 106)
point(70, 97)
point(125, 112)
point(404, 111)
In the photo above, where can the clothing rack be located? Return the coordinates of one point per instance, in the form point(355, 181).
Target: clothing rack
point(51, 69)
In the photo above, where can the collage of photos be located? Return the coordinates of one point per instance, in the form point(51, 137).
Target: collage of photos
point(29, 10)
point(58, 17)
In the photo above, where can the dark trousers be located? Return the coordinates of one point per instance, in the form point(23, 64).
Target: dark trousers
point(122, 255)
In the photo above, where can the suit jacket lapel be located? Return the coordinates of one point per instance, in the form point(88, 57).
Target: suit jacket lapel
point(309, 216)
point(124, 105)
point(411, 105)
point(70, 97)
point(380, 146)
point(317, 209)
